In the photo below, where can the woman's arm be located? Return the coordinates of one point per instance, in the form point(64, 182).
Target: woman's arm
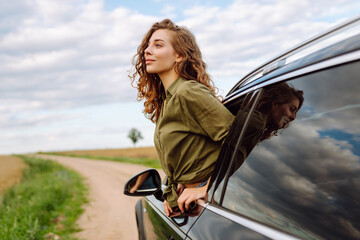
point(189, 195)
point(205, 114)
point(139, 182)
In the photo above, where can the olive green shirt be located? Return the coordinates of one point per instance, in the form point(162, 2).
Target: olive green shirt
point(189, 134)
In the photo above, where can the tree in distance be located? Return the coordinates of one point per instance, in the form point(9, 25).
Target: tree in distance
point(135, 135)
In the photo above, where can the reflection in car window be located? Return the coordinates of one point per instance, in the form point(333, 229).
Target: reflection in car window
point(306, 180)
point(276, 108)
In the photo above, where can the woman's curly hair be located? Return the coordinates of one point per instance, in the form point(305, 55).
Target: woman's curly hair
point(277, 94)
point(192, 67)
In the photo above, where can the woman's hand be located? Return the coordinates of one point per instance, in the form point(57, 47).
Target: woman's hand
point(180, 188)
point(168, 210)
point(189, 195)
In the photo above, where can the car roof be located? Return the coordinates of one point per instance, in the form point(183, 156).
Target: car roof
point(335, 43)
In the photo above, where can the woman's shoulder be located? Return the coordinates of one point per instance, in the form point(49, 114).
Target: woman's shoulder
point(192, 87)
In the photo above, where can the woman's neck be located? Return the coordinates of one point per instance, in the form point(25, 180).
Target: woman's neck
point(168, 78)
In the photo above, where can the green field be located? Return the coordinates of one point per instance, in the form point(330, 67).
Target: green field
point(144, 156)
point(44, 205)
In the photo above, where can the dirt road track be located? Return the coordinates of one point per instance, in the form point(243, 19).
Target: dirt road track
point(110, 214)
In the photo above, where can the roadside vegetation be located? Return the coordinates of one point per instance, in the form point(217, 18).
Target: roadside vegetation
point(149, 162)
point(45, 205)
point(11, 169)
point(144, 156)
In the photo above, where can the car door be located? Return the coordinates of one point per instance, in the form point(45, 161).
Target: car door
point(159, 226)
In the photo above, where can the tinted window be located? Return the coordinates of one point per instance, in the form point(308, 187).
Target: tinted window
point(306, 180)
point(240, 107)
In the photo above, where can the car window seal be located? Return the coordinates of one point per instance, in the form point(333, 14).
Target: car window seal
point(214, 179)
point(239, 140)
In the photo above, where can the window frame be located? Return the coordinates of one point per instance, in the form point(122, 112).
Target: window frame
point(254, 97)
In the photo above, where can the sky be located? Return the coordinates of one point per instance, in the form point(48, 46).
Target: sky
point(64, 65)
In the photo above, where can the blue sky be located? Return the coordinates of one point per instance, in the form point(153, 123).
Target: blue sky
point(64, 64)
point(159, 7)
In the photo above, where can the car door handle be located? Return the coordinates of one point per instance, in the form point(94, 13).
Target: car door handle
point(180, 223)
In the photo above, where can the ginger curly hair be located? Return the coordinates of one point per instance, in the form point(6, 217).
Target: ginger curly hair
point(192, 67)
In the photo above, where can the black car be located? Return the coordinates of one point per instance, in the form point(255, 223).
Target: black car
point(303, 183)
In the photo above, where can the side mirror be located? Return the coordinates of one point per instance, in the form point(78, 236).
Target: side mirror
point(144, 183)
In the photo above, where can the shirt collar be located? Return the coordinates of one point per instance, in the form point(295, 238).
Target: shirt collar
point(173, 87)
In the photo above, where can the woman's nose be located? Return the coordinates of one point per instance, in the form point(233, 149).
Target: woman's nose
point(147, 51)
point(292, 116)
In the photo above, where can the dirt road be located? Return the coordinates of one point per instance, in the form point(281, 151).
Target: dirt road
point(110, 214)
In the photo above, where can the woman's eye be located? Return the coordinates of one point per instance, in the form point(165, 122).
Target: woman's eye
point(158, 45)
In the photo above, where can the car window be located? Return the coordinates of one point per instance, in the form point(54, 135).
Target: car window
point(239, 107)
point(306, 180)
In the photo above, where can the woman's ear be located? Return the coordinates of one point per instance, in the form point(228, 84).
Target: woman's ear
point(179, 58)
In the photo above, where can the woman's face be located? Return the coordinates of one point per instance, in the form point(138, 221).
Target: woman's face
point(160, 55)
point(283, 114)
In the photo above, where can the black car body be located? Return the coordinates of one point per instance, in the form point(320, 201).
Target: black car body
point(303, 183)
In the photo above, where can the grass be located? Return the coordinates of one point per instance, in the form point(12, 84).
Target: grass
point(138, 152)
point(146, 156)
point(149, 162)
point(45, 204)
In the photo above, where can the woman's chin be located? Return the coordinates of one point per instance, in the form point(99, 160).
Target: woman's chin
point(150, 70)
point(281, 125)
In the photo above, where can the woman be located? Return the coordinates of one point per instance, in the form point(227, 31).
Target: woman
point(180, 97)
point(276, 109)
point(280, 103)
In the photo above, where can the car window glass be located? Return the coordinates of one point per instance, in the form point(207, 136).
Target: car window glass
point(306, 180)
point(240, 108)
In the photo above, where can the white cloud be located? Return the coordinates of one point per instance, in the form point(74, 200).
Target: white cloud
point(59, 55)
point(169, 11)
point(257, 31)
point(278, 171)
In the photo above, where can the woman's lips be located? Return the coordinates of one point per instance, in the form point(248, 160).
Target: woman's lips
point(284, 120)
point(148, 61)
